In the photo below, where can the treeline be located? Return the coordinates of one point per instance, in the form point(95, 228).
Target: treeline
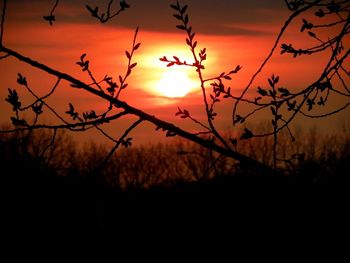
point(312, 157)
point(54, 185)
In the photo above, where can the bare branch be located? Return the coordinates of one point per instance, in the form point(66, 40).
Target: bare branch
point(50, 144)
point(143, 115)
point(106, 134)
point(51, 17)
point(326, 114)
point(79, 126)
point(119, 142)
point(2, 22)
point(277, 99)
point(4, 56)
point(183, 17)
point(38, 99)
point(104, 17)
point(283, 29)
point(47, 105)
point(130, 67)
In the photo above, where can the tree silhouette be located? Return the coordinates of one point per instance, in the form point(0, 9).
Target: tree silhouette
point(330, 30)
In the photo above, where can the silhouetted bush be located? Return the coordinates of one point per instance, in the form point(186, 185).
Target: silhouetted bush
point(64, 188)
point(314, 155)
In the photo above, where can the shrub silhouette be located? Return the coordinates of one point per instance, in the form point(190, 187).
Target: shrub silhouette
point(59, 191)
point(169, 164)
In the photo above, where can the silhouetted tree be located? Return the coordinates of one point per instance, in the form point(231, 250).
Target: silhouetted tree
point(330, 29)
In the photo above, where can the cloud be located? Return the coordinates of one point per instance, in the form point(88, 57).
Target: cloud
point(251, 29)
point(206, 17)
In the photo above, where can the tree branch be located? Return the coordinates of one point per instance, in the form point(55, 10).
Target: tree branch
point(143, 115)
point(2, 22)
point(79, 126)
point(286, 24)
point(120, 141)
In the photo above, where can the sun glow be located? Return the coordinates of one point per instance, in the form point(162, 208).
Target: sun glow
point(168, 83)
point(174, 84)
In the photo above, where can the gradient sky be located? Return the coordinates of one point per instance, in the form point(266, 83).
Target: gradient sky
point(234, 32)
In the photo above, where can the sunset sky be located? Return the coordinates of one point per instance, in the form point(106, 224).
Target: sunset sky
point(234, 32)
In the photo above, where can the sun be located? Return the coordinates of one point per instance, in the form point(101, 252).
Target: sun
point(174, 84)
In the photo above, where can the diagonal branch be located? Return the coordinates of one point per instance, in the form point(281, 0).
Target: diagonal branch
point(143, 115)
point(120, 141)
point(38, 99)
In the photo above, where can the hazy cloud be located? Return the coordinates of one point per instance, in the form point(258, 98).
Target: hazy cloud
point(207, 17)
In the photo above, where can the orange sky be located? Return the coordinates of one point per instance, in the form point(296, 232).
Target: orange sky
point(61, 45)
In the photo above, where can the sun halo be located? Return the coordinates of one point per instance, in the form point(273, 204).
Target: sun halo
point(174, 84)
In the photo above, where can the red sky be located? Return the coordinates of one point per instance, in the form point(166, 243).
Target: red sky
point(234, 33)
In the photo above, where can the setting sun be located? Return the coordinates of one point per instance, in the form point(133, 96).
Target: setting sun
point(117, 117)
point(174, 84)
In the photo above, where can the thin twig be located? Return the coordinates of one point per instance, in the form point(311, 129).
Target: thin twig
point(94, 81)
point(50, 144)
point(122, 82)
point(2, 21)
point(54, 8)
point(199, 67)
point(326, 114)
point(330, 24)
point(288, 21)
point(4, 56)
point(121, 139)
point(212, 165)
point(47, 105)
point(43, 97)
point(72, 127)
point(103, 18)
point(106, 134)
point(51, 17)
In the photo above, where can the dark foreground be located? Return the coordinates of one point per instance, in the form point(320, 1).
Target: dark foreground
point(48, 203)
point(34, 198)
